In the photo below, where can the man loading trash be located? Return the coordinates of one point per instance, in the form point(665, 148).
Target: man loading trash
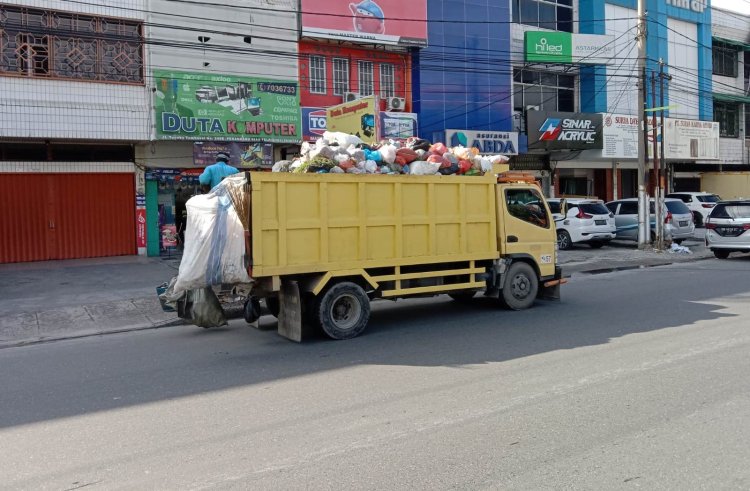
point(214, 173)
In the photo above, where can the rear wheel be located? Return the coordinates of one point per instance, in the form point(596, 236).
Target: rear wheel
point(520, 287)
point(721, 254)
point(343, 310)
point(697, 219)
point(563, 240)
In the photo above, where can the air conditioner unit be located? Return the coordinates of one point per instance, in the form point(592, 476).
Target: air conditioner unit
point(518, 121)
point(396, 104)
point(351, 96)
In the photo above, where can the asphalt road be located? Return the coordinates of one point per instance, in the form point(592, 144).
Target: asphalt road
point(636, 379)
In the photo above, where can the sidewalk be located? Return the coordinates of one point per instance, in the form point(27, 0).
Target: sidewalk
point(60, 299)
point(63, 299)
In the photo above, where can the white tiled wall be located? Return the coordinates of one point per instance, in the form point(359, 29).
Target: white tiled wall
point(683, 57)
point(731, 150)
point(66, 167)
point(622, 87)
point(59, 109)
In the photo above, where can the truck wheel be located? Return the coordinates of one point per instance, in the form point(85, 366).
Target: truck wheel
point(251, 312)
point(462, 297)
point(273, 305)
point(343, 310)
point(520, 287)
point(563, 240)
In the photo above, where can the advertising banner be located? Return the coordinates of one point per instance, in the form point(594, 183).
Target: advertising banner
point(688, 139)
point(620, 136)
point(355, 118)
point(140, 227)
point(564, 131)
point(243, 155)
point(398, 125)
point(393, 22)
point(566, 47)
point(314, 123)
point(193, 106)
point(488, 142)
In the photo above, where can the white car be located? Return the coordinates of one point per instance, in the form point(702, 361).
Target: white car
point(700, 204)
point(581, 220)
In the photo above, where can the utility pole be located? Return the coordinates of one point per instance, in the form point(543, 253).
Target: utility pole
point(667, 169)
point(658, 202)
point(643, 221)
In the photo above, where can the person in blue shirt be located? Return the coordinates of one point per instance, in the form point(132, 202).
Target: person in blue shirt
point(216, 172)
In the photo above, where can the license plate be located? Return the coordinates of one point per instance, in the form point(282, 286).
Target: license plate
point(684, 224)
point(600, 222)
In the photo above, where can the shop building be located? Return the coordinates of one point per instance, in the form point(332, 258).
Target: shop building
point(220, 78)
point(349, 52)
point(731, 80)
point(592, 70)
point(462, 83)
point(74, 105)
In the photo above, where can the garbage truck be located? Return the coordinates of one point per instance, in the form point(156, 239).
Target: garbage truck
point(321, 247)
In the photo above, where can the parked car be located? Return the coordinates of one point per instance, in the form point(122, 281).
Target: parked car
point(700, 204)
point(678, 219)
point(581, 221)
point(728, 228)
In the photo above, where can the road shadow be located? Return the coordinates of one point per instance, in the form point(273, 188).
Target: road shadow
point(71, 378)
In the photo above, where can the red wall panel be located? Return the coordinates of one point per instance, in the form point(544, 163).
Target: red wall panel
point(67, 216)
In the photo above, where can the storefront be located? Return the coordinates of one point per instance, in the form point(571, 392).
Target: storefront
point(255, 121)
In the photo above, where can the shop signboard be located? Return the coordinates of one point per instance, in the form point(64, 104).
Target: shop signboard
point(355, 118)
point(398, 125)
point(620, 136)
point(140, 226)
point(689, 139)
point(313, 123)
point(243, 155)
point(394, 22)
point(564, 131)
point(566, 47)
point(488, 142)
point(194, 106)
point(169, 235)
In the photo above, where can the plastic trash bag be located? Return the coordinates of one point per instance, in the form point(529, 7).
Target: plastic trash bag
point(202, 308)
point(389, 153)
point(214, 240)
point(343, 139)
point(423, 168)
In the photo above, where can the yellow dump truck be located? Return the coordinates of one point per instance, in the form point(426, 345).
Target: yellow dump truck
point(324, 245)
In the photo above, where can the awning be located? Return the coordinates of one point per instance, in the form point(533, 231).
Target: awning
point(730, 42)
point(735, 98)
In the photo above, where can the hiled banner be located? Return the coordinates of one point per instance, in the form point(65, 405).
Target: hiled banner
point(355, 118)
point(396, 22)
point(392, 124)
point(564, 131)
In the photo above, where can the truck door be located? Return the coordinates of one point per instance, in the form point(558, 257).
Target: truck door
point(526, 226)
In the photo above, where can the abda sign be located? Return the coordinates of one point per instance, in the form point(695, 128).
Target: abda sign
point(487, 142)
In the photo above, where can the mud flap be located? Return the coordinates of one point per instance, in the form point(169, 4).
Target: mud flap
point(290, 311)
point(550, 290)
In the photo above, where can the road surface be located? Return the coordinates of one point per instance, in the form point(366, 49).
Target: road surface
point(636, 379)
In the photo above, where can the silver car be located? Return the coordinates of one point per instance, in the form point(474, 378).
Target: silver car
point(728, 228)
point(678, 220)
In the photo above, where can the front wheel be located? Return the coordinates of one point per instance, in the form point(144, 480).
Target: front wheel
point(520, 287)
point(721, 254)
point(343, 310)
point(564, 241)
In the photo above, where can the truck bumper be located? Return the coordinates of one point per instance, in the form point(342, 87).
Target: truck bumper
point(550, 287)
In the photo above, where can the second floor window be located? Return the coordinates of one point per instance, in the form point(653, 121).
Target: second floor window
point(365, 76)
point(547, 91)
point(548, 14)
point(387, 81)
point(53, 44)
point(724, 60)
point(317, 75)
point(340, 76)
point(728, 116)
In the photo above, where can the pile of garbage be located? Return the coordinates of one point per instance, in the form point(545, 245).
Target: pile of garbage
point(341, 153)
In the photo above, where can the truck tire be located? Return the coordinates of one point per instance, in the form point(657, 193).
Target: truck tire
point(273, 305)
point(343, 310)
point(520, 287)
point(251, 311)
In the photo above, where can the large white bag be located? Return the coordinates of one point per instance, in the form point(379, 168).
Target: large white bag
point(214, 242)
